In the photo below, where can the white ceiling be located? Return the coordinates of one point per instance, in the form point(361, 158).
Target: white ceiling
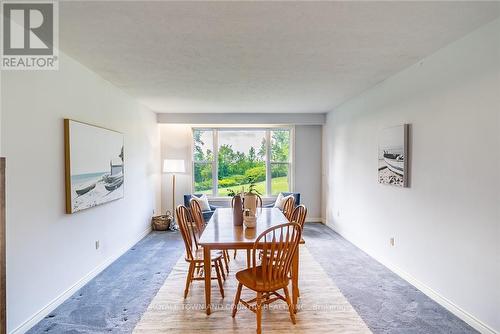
point(201, 57)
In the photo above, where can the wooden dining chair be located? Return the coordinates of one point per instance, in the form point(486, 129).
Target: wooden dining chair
point(288, 208)
point(194, 254)
point(259, 201)
point(197, 214)
point(272, 273)
point(299, 215)
point(200, 223)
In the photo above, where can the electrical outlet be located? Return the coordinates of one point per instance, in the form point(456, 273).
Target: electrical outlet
point(97, 244)
point(392, 241)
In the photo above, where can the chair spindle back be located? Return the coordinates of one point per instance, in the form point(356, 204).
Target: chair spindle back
point(197, 215)
point(288, 208)
point(299, 215)
point(281, 243)
point(187, 230)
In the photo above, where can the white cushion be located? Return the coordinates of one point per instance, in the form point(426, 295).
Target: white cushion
point(203, 202)
point(280, 201)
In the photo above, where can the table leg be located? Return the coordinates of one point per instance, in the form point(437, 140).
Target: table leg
point(207, 264)
point(248, 258)
point(295, 279)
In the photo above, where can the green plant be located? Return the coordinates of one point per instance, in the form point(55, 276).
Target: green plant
point(256, 174)
point(231, 193)
point(240, 179)
point(228, 182)
point(252, 189)
point(203, 185)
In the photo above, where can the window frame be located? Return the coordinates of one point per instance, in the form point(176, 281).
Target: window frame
point(215, 149)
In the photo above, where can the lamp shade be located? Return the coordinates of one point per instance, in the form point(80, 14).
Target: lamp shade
point(174, 166)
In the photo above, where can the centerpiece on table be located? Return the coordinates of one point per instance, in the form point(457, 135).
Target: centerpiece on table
point(244, 205)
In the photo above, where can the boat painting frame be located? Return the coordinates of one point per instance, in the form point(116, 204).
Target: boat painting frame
point(406, 153)
point(67, 164)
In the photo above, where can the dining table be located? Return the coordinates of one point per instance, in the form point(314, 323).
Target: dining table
point(220, 233)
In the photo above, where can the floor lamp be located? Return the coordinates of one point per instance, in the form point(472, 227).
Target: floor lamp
point(173, 166)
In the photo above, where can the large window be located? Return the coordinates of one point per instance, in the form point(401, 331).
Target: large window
point(226, 158)
point(203, 161)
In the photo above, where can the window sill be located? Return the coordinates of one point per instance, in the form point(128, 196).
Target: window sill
point(228, 198)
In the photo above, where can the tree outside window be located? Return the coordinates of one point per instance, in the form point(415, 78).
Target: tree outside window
point(241, 158)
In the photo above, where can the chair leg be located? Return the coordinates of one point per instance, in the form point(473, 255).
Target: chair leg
point(234, 256)
point(222, 271)
point(226, 260)
point(237, 299)
point(188, 278)
point(248, 258)
point(258, 312)
point(298, 291)
point(291, 309)
point(219, 279)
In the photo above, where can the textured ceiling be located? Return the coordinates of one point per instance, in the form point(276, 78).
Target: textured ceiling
point(202, 57)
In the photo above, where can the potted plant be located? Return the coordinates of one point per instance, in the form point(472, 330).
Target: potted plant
point(250, 197)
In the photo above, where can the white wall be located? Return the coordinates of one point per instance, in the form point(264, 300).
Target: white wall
point(308, 168)
point(447, 224)
point(176, 144)
point(49, 251)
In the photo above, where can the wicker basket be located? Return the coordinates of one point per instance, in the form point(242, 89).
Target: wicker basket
point(161, 223)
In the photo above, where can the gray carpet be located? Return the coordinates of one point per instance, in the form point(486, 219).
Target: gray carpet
point(387, 303)
point(115, 300)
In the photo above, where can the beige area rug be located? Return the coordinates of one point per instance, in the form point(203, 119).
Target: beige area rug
point(322, 307)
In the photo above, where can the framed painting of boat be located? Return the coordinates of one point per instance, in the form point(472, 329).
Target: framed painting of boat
point(94, 165)
point(393, 156)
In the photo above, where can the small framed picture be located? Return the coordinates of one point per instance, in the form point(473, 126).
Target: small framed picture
point(393, 156)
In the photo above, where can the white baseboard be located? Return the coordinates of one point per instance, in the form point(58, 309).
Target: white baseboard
point(47, 309)
point(315, 220)
point(438, 298)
